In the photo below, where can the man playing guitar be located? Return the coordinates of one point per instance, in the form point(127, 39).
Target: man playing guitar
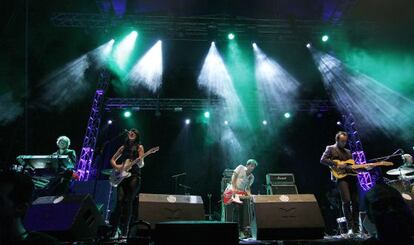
point(347, 186)
point(241, 182)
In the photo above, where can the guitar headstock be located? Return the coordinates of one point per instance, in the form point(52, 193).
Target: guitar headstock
point(154, 149)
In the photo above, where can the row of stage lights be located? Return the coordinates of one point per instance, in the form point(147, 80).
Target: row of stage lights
point(230, 36)
point(324, 39)
point(206, 114)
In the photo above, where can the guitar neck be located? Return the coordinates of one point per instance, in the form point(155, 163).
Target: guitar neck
point(375, 164)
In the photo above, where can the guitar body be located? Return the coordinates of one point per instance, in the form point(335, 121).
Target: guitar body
point(230, 196)
point(352, 168)
point(342, 173)
point(118, 175)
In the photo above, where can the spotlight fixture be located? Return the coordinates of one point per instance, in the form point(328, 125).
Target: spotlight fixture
point(127, 114)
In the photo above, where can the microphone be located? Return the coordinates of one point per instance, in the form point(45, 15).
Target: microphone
point(178, 175)
point(124, 131)
point(184, 186)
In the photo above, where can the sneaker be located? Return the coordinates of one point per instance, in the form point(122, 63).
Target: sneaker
point(116, 234)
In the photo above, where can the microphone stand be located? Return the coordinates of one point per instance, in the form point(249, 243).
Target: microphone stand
point(175, 177)
point(384, 158)
point(98, 174)
point(395, 154)
point(210, 215)
point(186, 188)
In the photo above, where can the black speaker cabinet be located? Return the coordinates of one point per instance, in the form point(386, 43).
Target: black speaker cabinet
point(283, 217)
point(282, 189)
point(68, 218)
point(155, 208)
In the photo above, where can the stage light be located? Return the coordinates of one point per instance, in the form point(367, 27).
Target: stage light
point(264, 122)
point(231, 36)
point(325, 38)
point(187, 121)
point(148, 70)
point(108, 48)
point(254, 45)
point(109, 122)
point(124, 49)
point(287, 115)
point(375, 106)
point(338, 123)
point(308, 45)
point(127, 114)
point(71, 79)
point(226, 122)
point(207, 114)
point(279, 88)
point(215, 78)
point(213, 43)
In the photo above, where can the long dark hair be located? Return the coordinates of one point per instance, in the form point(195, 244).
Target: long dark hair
point(136, 142)
point(131, 147)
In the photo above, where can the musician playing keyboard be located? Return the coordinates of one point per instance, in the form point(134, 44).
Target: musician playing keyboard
point(60, 184)
point(63, 143)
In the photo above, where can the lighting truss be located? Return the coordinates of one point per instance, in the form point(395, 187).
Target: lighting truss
point(207, 28)
point(174, 104)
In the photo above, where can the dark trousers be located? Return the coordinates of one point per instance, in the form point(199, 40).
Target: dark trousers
point(241, 214)
point(126, 195)
point(348, 190)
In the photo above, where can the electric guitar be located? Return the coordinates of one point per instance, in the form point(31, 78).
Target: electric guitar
point(352, 169)
point(230, 196)
point(118, 175)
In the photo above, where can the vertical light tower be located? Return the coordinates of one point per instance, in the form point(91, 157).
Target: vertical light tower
point(84, 167)
point(367, 179)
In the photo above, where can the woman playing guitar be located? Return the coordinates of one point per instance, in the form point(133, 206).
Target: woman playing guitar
point(129, 188)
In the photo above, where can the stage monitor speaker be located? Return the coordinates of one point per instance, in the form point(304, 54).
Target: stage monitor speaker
point(196, 232)
point(155, 208)
point(279, 217)
point(68, 218)
point(102, 191)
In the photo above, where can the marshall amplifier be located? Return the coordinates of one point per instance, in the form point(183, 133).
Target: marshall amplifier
point(280, 179)
point(278, 184)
